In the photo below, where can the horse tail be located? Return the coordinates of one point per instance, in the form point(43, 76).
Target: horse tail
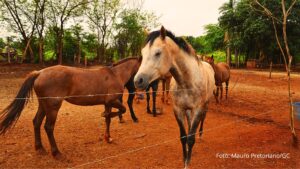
point(10, 115)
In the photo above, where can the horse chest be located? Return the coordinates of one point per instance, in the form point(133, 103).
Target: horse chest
point(188, 99)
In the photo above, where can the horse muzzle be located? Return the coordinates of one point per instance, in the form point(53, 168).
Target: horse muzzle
point(141, 81)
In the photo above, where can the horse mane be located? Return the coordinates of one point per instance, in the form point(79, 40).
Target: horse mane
point(181, 42)
point(125, 60)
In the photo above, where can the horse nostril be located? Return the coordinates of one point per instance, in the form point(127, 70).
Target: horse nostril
point(140, 81)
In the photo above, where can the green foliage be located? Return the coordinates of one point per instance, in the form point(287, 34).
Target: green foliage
point(252, 34)
point(2, 43)
point(198, 43)
point(89, 45)
point(69, 48)
point(49, 55)
point(131, 32)
point(214, 37)
point(212, 41)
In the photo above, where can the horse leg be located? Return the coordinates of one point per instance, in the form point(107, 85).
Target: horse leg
point(51, 115)
point(148, 99)
point(163, 90)
point(118, 105)
point(189, 118)
point(121, 120)
point(217, 95)
point(49, 127)
point(227, 83)
point(107, 137)
point(122, 109)
point(37, 122)
point(168, 82)
point(183, 138)
point(131, 91)
point(154, 91)
point(191, 135)
point(221, 87)
point(203, 116)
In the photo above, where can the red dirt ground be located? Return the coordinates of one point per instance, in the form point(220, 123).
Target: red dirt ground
point(253, 120)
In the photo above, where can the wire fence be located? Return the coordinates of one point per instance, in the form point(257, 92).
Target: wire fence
point(105, 94)
point(165, 141)
point(162, 142)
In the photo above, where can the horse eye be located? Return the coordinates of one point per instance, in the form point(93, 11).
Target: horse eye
point(157, 54)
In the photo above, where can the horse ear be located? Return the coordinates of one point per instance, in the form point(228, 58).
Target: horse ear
point(146, 32)
point(163, 32)
point(212, 56)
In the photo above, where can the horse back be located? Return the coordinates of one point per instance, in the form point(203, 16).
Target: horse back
point(222, 72)
point(78, 86)
point(208, 73)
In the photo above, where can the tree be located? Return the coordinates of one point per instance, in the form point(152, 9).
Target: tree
point(40, 26)
point(284, 48)
point(2, 43)
point(214, 36)
point(89, 45)
point(21, 17)
point(59, 13)
point(77, 33)
point(227, 19)
point(132, 31)
point(102, 16)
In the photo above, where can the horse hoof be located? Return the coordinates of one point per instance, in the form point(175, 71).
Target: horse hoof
point(135, 120)
point(122, 121)
point(103, 114)
point(58, 156)
point(149, 111)
point(109, 140)
point(41, 151)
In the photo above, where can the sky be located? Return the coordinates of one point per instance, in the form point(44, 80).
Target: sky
point(182, 17)
point(185, 17)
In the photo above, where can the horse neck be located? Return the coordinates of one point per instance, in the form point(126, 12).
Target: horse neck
point(185, 70)
point(213, 65)
point(125, 71)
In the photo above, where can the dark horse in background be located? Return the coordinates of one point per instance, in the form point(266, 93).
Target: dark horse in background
point(85, 87)
point(166, 80)
point(129, 85)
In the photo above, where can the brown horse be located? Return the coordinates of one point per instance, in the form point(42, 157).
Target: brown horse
point(195, 81)
point(166, 81)
point(222, 74)
point(84, 87)
point(126, 69)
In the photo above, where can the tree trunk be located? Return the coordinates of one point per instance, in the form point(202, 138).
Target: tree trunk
point(8, 53)
point(271, 67)
point(228, 58)
point(25, 50)
point(79, 53)
point(99, 53)
point(60, 49)
point(41, 50)
point(236, 57)
point(239, 59)
point(290, 58)
point(292, 124)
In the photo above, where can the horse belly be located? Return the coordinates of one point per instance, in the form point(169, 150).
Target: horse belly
point(86, 100)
